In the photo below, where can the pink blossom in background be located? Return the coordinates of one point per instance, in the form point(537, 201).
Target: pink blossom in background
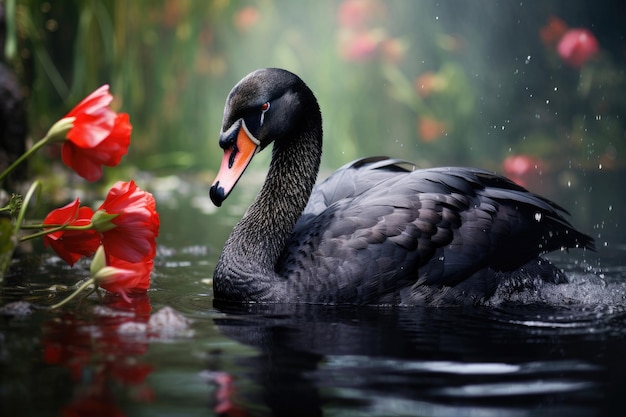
point(430, 129)
point(359, 14)
point(577, 46)
point(360, 46)
point(521, 168)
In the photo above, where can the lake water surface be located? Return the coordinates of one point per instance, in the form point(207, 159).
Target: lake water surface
point(554, 350)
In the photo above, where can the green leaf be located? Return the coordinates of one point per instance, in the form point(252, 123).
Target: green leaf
point(8, 242)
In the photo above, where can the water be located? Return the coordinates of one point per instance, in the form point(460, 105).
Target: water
point(553, 350)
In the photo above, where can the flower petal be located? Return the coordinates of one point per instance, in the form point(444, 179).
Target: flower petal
point(98, 135)
point(87, 162)
point(136, 226)
point(71, 245)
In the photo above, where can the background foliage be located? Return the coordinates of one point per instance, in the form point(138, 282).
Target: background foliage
point(437, 82)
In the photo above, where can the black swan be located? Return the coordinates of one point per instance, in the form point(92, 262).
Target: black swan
point(378, 231)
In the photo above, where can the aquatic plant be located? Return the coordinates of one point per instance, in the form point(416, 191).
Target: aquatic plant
point(120, 234)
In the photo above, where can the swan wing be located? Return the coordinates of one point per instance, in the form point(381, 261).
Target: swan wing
point(377, 226)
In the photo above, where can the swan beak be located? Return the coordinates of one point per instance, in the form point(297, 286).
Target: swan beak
point(234, 163)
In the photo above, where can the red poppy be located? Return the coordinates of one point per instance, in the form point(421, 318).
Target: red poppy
point(98, 135)
point(359, 46)
point(127, 276)
point(522, 168)
point(553, 31)
point(246, 18)
point(429, 83)
point(430, 129)
point(87, 162)
point(131, 223)
point(71, 245)
point(577, 46)
point(357, 14)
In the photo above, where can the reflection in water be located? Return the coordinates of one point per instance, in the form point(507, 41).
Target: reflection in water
point(544, 350)
point(100, 357)
point(512, 359)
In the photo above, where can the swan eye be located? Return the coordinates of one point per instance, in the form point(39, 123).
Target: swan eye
point(264, 107)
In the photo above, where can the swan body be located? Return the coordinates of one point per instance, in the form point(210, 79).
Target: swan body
point(377, 231)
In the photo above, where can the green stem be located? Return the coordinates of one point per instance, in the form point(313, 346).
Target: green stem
point(41, 233)
point(52, 230)
point(57, 132)
point(84, 285)
point(57, 225)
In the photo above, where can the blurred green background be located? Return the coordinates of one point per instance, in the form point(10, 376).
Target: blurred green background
point(439, 82)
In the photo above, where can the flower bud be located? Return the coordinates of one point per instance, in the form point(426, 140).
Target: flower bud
point(58, 131)
point(99, 261)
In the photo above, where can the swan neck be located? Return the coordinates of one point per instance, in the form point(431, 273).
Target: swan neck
point(246, 268)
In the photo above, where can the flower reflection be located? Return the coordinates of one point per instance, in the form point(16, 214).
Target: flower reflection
point(93, 403)
point(99, 357)
point(226, 397)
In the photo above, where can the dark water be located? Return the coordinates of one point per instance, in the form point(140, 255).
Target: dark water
point(555, 350)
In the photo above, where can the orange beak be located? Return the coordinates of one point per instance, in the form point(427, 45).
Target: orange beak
point(237, 156)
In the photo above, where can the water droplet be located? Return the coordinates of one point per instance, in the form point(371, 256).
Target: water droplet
point(610, 208)
point(527, 60)
point(538, 216)
point(599, 166)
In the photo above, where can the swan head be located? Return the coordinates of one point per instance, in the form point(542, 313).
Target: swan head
point(265, 106)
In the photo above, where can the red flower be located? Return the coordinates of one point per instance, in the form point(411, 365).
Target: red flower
point(359, 46)
point(246, 18)
point(553, 31)
point(429, 83)
point(357, 14)
point(520, 168)
point(126, 276)
point(71, 245)
point(87, 162)
point(577, 46)
point(98, 135)
point(129, 223)
point(430, 128)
